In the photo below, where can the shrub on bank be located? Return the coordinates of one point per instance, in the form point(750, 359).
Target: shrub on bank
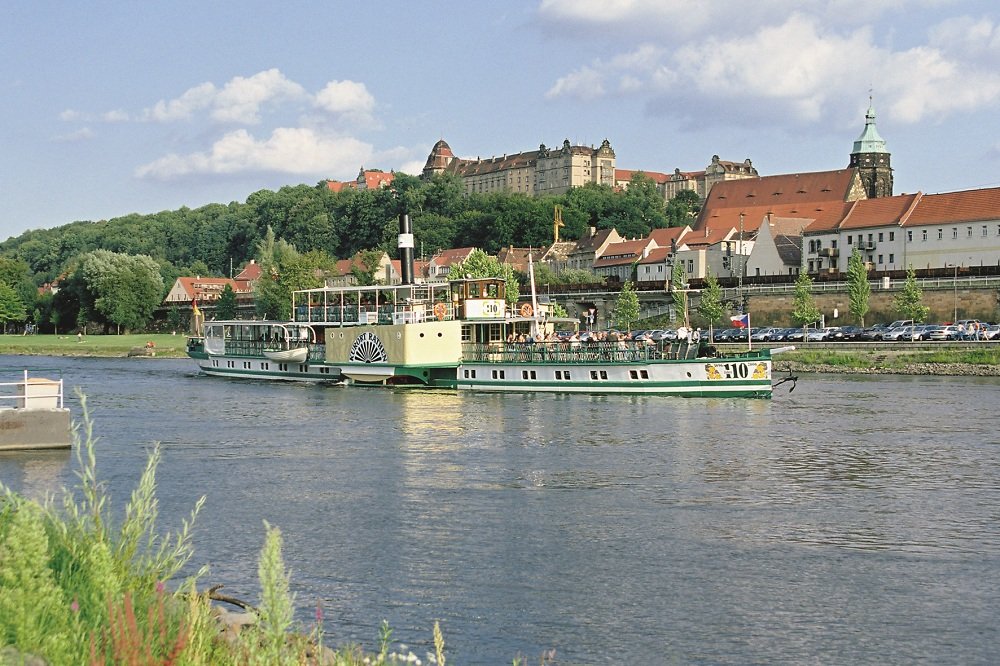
point(77, 589)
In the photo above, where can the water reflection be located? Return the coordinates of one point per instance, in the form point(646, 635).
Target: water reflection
point(34, 474)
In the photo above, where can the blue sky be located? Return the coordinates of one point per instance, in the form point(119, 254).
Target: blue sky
point(110, 108)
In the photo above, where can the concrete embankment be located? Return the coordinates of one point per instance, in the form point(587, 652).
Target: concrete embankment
point(940, 369)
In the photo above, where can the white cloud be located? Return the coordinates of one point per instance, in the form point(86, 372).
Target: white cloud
point(182, 108)
point(346, 98)
point(69, 115)
point(240, 100)
point(288, 150)
point(115, 116)
point(799, 70)
point(82, 134)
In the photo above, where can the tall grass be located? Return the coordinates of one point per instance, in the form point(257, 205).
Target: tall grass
point(77, 588)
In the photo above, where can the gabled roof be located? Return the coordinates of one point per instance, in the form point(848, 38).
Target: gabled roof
point(713, 236)
point(956, 207)
point(657, 255)
point(663, 237)
point(867, 213)
point(208, 289)
point(517, 257)
point(591, 243)
point(452, 256)
point(251, 272)
point(625, 252)
point(809, 195)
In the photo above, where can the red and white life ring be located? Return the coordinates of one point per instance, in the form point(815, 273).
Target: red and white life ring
point(526, 310)
point(440, 310)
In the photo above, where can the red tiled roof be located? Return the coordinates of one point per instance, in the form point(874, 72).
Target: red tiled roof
point(656, 256)
point(956, 207)
point(251, 272)
point(625, 175)
point(452, 256)
point(662, 237)
point(808, 195)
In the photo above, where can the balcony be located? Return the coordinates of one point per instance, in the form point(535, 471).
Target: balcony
point(829, 252)
point(866, 246)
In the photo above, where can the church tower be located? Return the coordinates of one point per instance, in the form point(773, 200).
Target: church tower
point(870, 158)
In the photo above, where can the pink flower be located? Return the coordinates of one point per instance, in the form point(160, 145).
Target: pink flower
point(75, 606)
point(160, 587)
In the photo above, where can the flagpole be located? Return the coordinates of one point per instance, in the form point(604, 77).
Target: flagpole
point(749, 343)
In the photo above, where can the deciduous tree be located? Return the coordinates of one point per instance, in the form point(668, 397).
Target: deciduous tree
point(804, 310)
point(858, 288)
point(909, 299)
point(626, 310)
point(710, 304)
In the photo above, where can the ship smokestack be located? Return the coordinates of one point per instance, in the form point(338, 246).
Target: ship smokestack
point(405, 249)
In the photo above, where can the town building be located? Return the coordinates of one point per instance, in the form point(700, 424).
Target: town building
point(701, 182)
point(370, 179)
point(538, 172)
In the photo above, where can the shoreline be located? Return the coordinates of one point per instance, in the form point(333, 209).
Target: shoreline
point(925, 369)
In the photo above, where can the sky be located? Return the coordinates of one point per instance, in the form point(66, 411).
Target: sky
point(111, 108)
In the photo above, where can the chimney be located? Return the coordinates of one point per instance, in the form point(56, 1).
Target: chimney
point(405, 249)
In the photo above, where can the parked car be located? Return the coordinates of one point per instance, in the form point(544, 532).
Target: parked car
point(992, 332)
point(875, 332)
point(907, 333)
point(764, 334)
point(817, 334)
point(793, 334)
point(944, 333)
point(850, 333)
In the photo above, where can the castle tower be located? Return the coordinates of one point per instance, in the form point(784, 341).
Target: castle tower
point(439, 159)
point(872, 159)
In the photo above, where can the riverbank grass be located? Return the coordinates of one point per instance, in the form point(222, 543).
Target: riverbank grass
point(77, 588)
point(164, 344)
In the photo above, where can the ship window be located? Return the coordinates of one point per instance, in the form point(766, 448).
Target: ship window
point(566, 375)
point(264, 366)
point(558, 374)
point(633, 374)
point(593, 374)
point(524, 374)
point(604, 374)
point(644, 374)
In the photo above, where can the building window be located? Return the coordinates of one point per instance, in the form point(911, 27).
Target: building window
point(880, 237)
point(923, 235)
point(880, 259)
point(892, 258)
point(940, 234)
point(848, 239)
point(909, 236)
point(970, 232)
point(954, 232)
point(985, 232)
point(892, 236)
point(833, 243)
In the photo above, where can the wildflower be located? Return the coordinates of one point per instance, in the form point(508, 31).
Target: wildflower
point(75, 606)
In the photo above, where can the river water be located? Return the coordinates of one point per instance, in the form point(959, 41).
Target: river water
point(853, 520)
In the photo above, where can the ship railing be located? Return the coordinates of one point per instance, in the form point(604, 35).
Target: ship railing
point(577, 352)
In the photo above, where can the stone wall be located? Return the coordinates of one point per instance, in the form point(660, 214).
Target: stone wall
point(982, 304)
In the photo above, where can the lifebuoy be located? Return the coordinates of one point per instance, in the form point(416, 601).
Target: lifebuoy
point(440, 310)
point(526, 310)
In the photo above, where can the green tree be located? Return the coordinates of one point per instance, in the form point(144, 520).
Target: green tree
point(858, 288)
point(11, 306)
point(273, 291)
point(683, 208)
point(365, 267)
point(225, 307)
point(125, 289)
point(710, 305)
point(804, 308)
point(482, 265)
point(626, 310)
point(909, 300)
point(678, 290)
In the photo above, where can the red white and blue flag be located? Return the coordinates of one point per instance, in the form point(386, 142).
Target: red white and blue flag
point(741, 321)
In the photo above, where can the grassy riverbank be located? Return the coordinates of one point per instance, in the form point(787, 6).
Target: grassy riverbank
point(164, 344)
point(984, 361)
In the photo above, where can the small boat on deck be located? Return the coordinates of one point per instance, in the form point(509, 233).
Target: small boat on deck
point(293, 355)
